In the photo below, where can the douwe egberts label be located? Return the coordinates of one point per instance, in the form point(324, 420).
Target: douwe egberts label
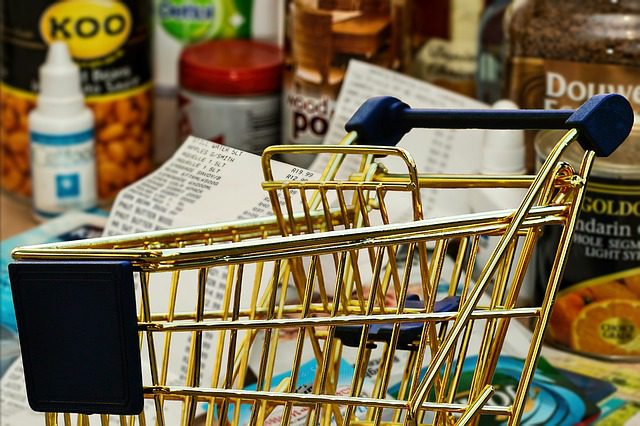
point(553, 84)
point(556, 84)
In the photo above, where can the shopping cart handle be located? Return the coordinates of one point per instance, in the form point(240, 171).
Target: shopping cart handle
point(409, 332)
point(603, 122)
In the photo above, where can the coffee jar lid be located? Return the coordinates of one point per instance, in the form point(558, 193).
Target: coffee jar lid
point(624, 163)
point(231, 67)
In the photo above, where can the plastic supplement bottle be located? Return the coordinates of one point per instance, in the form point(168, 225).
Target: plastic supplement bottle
point(230, 93)
point(61, 131)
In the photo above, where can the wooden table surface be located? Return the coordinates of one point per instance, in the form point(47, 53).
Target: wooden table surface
point(15, 216)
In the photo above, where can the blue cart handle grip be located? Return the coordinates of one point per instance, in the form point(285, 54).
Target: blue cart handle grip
point(410, 333)
point(603, 122)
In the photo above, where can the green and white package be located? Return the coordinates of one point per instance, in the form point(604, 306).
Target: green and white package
point(181, 22)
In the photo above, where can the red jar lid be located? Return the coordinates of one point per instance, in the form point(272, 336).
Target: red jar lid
point(231, 67)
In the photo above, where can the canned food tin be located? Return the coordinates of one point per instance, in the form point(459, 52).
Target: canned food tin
point(597, 311)
point(110, 42)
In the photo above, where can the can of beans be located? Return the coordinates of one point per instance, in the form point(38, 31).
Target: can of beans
point(597, 310)
point(110, 42)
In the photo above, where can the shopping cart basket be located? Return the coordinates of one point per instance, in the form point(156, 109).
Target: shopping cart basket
point(223, 307)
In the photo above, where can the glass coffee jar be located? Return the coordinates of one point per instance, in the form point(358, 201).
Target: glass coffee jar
point(563, 52)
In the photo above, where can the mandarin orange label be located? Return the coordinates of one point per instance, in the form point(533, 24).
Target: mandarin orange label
point(597, 311)
point(600, 316)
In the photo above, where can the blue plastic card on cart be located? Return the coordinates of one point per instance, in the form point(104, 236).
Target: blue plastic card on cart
point(78, 334)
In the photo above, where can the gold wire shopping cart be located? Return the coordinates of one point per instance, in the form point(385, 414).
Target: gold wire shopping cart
point(313, 315)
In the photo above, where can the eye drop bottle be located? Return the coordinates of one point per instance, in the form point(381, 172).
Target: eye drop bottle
point(61, 131)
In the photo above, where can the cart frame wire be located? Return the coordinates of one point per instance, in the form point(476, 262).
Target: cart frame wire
point(305, 271)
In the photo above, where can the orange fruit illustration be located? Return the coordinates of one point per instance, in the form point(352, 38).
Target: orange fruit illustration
point(611, 290)
point(565, 309)
point(633, 284)
point(609, 327)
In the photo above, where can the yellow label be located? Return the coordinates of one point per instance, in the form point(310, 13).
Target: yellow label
point(611, 207)
point(617, 330)
point(91, 28)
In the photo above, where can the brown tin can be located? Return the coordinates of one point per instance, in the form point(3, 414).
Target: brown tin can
point(597, 310)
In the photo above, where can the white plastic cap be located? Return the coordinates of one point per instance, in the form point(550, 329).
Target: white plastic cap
point(60, 80)
point(504, 150)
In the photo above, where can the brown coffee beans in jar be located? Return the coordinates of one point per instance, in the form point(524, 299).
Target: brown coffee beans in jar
point(563, 52)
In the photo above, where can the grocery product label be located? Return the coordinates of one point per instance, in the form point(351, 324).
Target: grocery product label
point(177, 23)
point(91, 29)
point(66, 175)
point(608, 226)
point(194, 20)
point(305, 120)
point(108, 39)
point(600, 316)
point(553, 84)
point(598, 309)
point(250, 124)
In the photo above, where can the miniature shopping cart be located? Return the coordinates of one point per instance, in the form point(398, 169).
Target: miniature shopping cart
point(333, 311)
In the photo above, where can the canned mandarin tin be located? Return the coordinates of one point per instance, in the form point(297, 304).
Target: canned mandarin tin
point(597, 311)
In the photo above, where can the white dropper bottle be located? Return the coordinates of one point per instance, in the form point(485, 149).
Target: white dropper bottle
point(503, 154)
point(61, 129)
